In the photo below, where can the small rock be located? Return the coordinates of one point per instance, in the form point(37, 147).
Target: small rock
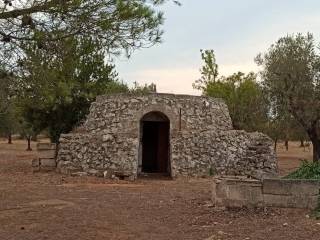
point(215, 223)
point(79, 174)
point(307, 216)
point(107, 138)
point(93, 172)
point(220, 233)
point(318, 224)
point(285, 224)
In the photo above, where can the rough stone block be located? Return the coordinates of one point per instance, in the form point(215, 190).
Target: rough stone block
point(237, 192)
point(79, 174)
point(46, 153)
point(35, 162)
point(46, 146)
point(48, 162)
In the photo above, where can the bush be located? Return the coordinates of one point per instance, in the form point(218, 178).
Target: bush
point(307, 170)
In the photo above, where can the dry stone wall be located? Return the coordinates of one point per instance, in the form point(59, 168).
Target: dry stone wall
point(122, 113)
point(97, 154)
point(224, 152)
point(202, 141)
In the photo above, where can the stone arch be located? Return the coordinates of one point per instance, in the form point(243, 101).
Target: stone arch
point(154, 143)
point(171, 115)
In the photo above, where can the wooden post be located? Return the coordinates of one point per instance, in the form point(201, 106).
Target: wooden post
point(180, 119)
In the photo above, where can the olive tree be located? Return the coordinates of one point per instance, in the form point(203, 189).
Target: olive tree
point(291, 76)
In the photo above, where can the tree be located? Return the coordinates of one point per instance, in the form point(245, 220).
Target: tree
point(209, 71)
point(241, 92)
point(8, 122)
point(6, 91)
point(119, 24)
point(26, 131)
point(244, 98)
point(58, 87)
point(291, 76)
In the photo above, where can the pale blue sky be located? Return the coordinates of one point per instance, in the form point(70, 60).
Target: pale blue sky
point(236, 29)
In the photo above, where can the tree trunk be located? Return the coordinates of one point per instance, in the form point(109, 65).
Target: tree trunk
point(286, 144)
point(313, 135)
point(9, 138)
point(301, 143)
point(275, 144)
point(316, 150)
point(34, 137)
point(29, 143)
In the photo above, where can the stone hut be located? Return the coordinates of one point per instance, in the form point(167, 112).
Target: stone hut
point(178, 135)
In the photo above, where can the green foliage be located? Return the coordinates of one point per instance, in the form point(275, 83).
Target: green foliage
point(241, 92)
point(59, 86)
point(307, 170)
point(244, 98)
point(291, 78)
point(6, 91)
point(8, 121)
point(209, 71)
point(121, 25)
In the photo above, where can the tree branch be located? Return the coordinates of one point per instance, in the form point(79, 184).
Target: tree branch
point(34, 9)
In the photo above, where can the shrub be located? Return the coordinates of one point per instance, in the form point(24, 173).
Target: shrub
point(307, 170)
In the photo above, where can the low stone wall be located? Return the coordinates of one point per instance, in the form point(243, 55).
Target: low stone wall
point(46, 157)
point(283, 193)
point(224, 153)
point(100, 154)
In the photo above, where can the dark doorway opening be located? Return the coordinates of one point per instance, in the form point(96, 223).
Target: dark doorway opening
point(155, 143)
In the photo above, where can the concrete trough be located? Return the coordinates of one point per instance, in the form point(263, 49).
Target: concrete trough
point(230, 191)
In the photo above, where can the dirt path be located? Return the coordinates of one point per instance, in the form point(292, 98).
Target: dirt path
point(50, 206)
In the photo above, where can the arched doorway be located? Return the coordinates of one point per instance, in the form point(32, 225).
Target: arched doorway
point(155, 143)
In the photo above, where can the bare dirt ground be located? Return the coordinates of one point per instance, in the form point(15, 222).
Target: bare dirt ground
point(51, 206)
point(290, 160)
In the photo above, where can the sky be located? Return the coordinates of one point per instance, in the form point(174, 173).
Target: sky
point(237, 30)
